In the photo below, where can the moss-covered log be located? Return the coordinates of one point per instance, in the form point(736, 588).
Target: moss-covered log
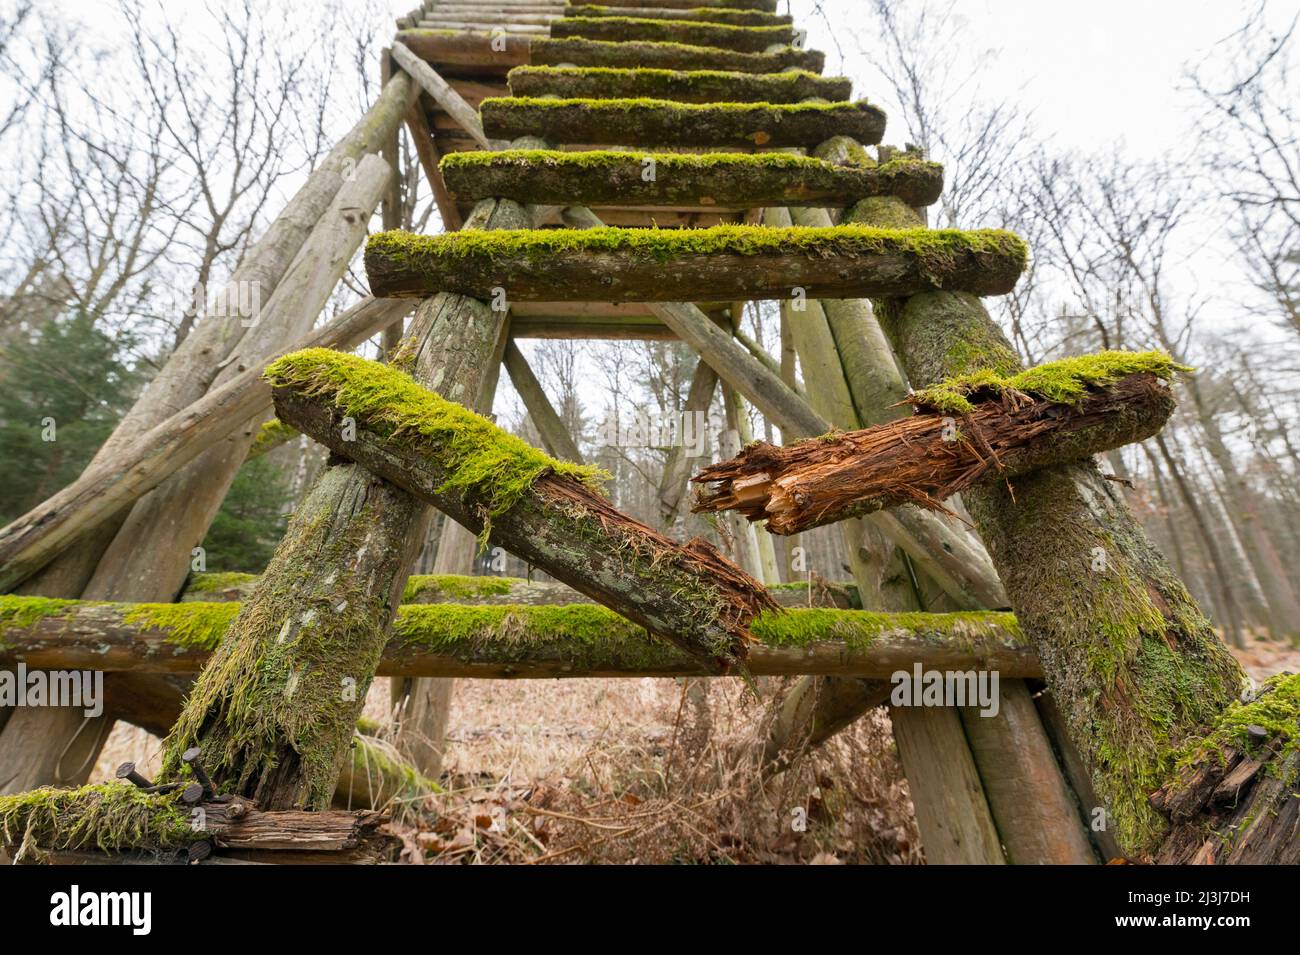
point(538, 508)
point(659, 265)
point(657, 123)
point(668, 56)
point(523, 642)
point(680, 86)
point(121, 818)
point(1235, 795)
point(729, 180)
point(750, 39)
point(712, 13)
point(984, 429)
point(376, 777)
point(766, 5)
point(494, 591)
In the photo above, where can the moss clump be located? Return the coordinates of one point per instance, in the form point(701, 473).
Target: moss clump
point(111, 817)
point(225, 580)
point(1065, 382)
point(494, 466)
point(550, 50)
point(1275, 708)
point(685, 110)
point(388, 777)
point(935, 249)
point(271, 435)
point(19, 611)
point(194, 626)
point(649, 28)
point(602, 160)
point(421, 587)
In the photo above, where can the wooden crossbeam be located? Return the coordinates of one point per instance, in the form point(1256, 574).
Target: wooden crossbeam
point(661, 265)
point(657, 123)
point(712, 14)
point(729, 180)
point(750, 39)
point(682, 86)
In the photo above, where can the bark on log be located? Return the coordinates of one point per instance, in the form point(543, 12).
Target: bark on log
point(663, 265)
point(527, 642)
point(659, 123)
point(123, 477)
point(927, 458)
point(678, 86)
point(669, 56)
point(683, 179)
point(621, 29)
point(712, 13)
point(624, 564)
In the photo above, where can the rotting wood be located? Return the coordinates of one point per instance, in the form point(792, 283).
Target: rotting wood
point(657, 123)
point(926, 458)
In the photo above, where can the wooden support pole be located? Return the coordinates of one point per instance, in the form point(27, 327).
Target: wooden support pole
point(678, 466)
point(555, 435)
point(446, 97)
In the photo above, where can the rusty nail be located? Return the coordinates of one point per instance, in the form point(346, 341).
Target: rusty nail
point(191, 759)
point(127, 771)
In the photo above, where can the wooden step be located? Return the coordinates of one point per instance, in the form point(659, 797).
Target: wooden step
point(680, 86)
point(735, 18)
point(669, 56)
point(727, 180)
point(767, 5)
point(693, 33)
point(658, 123)
point(739, 263)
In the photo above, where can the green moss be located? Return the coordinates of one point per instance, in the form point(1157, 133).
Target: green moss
point(682, 80)
point(575, 26)
point(390, 778)
point(546, 50)
point(1066, 381)
point(493, 465)
point(194, 626)
point(645, 103)
point(714, 15)
point(226, 580)
point(596, 161)
point(110, 817)
point(20, 611)
point(934, 248)
point(271, 435)
point(458, 586)
point(1276, 709)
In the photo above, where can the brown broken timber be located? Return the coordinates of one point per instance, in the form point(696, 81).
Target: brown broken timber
point(715, 13)
point(738, 180)
point(230, 823)
point(750, 39)
point(482, 54)
point(663, 265)
point(687, 593)
point(680, 86)
point(535, 642)
point(927, 458)
point(658, 123)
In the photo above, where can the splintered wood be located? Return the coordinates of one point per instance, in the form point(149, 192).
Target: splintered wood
point(927, 458)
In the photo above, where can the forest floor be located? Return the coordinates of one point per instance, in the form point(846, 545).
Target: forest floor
point(651, 771)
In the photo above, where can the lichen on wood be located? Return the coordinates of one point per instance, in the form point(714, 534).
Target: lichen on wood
point(104, 817)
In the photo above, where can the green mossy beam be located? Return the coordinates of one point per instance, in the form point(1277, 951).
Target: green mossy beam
point(680, 86)
point(749, 39)
point(727, 180)
point(715, 14)
point(514, 641)
point(722, 263)
point(658, 123)
point(667, 56)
